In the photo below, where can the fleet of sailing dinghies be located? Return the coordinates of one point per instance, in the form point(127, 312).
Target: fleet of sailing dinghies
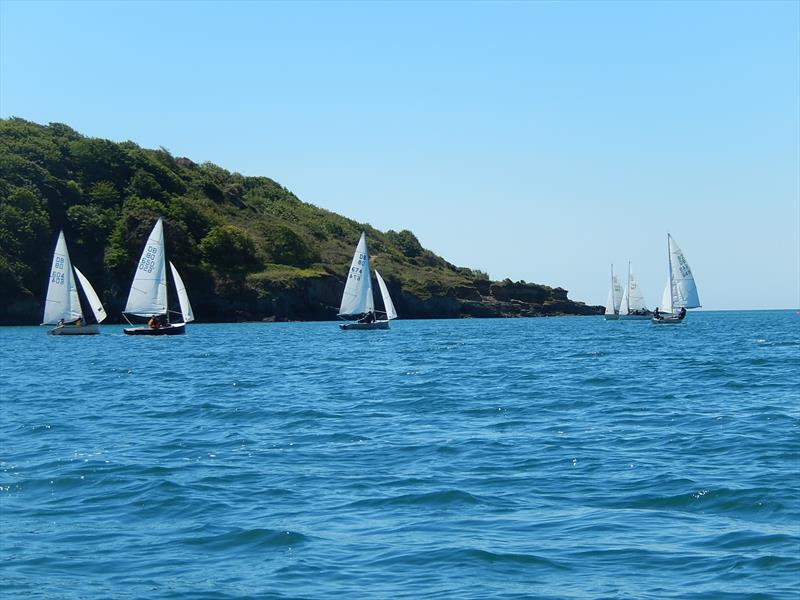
point(634, 306)
point(74, 308)
point(614, 298)
point(62, 306)
point(358, 304)
point(680, 292)
point(148, 294)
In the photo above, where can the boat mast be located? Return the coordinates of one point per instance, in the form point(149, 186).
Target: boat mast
point(671, 281)
point(613, 292)
point(628, 295)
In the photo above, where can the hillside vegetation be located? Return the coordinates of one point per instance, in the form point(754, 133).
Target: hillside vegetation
point(247, 247)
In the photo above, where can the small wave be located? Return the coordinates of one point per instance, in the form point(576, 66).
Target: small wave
point(239, 538)
point(723, 500)
point(745, 540)
point(460, 556)
point(433, 499)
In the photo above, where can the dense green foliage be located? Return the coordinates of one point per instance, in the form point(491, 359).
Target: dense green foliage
point(233, 237)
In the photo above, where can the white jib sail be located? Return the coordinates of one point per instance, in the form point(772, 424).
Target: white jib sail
point(183, 297)
point(610, 302)
point(357, 297)
point(666, 298)
point(148, 295)
point(91, 296)
point(636, 299)
point(391, 313)
point(62, 300)
point(624, 307)
point(684, 290)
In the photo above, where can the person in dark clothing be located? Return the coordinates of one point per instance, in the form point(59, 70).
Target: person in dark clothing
point(682, 313)
point(656, 314)
point(368, 318)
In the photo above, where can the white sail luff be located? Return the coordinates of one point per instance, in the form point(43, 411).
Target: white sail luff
point(148, 295)
point(62, 300)
point(183, 297)
point(391, 313)
point(684, 289)
point(357, 297)
point(91, 296)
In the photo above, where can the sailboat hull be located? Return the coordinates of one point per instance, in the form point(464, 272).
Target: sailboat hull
point(611, 317)
point(365, 326)
point(91, 329)
point(636, 317)
point(670, 320)
point(171, 329)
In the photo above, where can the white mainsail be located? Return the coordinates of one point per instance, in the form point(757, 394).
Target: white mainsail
point(183, 297)
point(683, 288)
point(62, 300)
point(91, 296)
point(614, 295)
point(357, 297)
point(391, 313)
point(635, 300)
point(148, 295)
point(615, 285)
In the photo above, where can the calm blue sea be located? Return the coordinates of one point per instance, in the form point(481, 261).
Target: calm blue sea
point(518, 458)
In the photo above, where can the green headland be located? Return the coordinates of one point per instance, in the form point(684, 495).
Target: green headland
point(247, 248)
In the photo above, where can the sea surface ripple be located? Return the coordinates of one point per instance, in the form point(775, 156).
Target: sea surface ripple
point(518, 458)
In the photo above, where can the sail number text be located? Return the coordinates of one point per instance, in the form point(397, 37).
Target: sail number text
point(57, 276)
point(356, 270)
point(148, 262)
point(683, 267)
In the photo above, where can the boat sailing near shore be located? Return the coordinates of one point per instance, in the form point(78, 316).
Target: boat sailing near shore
point(148, 295)
point(62, 306)
point(358, 304)
point(614, 298)
point(634, 306)
point(680, 292)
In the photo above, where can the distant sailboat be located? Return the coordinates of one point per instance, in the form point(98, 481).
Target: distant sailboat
point(614, 298)
point(62, 306)
point(148, 295)
point(634, 306)
point(357, 300)
point(680, 292)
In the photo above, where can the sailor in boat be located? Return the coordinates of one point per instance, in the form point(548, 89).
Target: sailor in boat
point(368, 318)
point(76, 323)
point(681, 314)
point(657, 314)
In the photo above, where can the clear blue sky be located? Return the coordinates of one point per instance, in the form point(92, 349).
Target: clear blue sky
point(537, 141)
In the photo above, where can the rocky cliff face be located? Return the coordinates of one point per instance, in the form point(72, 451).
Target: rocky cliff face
point(317, 299)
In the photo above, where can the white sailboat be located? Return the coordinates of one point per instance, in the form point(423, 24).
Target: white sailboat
point(62, 306)
point(357, 301)
point(680, 292)
point(634, 306)
point(148, 294)
point(614, 298)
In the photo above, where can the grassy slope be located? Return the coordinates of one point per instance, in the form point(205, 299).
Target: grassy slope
point(248, 248)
